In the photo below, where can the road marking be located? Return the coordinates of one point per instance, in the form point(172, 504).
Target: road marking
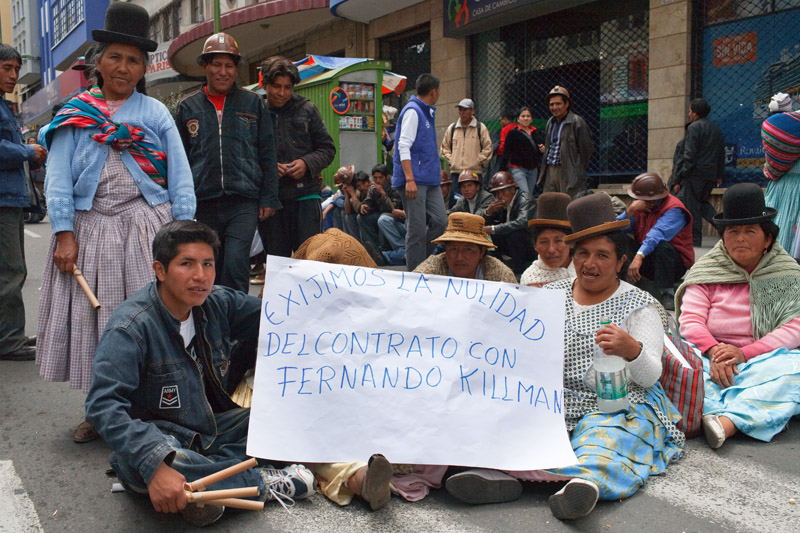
point(741, 493)
point(29, 233)
point(15, 506)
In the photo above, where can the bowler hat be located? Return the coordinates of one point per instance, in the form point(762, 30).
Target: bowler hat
point(551, 210)
point(465, 227)
point(743, 204)
point(126, 24)
point(592, 215)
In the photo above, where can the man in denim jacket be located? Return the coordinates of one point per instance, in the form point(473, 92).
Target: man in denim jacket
point(13, 197)
point(162, 373)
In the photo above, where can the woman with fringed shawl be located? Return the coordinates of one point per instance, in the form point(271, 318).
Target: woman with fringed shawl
point(116, 173)
point(739, 305)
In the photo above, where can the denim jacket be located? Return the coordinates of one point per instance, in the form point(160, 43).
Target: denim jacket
point(13, 153)
point(146, 384)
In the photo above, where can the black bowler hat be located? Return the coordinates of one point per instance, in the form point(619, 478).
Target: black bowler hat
point(126, 24)
point(744, 204)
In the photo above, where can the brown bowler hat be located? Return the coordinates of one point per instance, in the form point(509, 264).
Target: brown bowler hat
point(465, 227)
point(592, 215)
point(551, 210)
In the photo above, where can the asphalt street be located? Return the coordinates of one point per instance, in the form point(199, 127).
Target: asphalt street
point(48, 483)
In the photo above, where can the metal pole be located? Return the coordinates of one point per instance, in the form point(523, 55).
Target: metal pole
point(217, 25)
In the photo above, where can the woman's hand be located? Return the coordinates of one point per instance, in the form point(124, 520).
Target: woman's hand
point(66, 253)
point(726, 353)
point(723, 373)
point(615, 341)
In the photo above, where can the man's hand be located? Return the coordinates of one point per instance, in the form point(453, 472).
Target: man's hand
point(379, 188)
point(66, 253)
point(676, 188)
point(40, 153)
point(541, 148)
point(495, 206)
point(633, 270)
point(411, 189)
point(296, 169)
point(282, 168)
point(167, 490)
point(364, 209)
point(398, 214)
point(637, 206)
point(265, 212)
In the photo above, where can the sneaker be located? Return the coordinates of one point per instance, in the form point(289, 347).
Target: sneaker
point(713, 430)
point(375, 488)
point(668, 300)
point(575, 500)
point(295, 482)
point(481, 485)
point(202, 516)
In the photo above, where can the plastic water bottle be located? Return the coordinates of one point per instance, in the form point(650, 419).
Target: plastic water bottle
point(611, 383)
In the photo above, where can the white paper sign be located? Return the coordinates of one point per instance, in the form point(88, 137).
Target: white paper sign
point(423, 369)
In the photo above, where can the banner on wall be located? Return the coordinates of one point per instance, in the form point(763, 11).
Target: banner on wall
point(423, 369)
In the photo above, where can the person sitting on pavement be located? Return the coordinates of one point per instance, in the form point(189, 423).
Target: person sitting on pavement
point(507, 222)
point(473, 199)
point(549, 233)
point(380, 199)
point(465, 246)
point(617, 451)
point(162, 373)
point(355, 192)
point(739, 306)
point(662, 233)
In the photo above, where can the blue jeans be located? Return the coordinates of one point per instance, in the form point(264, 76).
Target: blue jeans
point(12, 276)
point(525, 178)
point(235, 219)
point(426, 219)
point(394, 232)
point(227, 450)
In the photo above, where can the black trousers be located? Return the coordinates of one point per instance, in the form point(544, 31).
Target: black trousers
point(518, 246)
point(694, 194)
point(288, 228)
point(663, 266)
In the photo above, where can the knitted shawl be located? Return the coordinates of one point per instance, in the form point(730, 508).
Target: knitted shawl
point(774, 285)
point(780, 135)
point(538, 272)
point(493, 269)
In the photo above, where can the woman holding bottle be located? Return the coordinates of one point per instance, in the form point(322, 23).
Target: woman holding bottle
point(617, 451)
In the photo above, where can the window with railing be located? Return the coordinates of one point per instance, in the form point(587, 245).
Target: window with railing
point(67, 14)
point(198, 11)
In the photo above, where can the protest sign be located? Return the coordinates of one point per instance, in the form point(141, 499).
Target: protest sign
point(423, 369)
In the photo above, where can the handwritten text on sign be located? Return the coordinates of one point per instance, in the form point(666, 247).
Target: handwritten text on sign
point(424, 369)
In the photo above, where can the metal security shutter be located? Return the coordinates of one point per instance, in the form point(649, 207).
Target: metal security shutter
point(599, 52)
point(750, 51)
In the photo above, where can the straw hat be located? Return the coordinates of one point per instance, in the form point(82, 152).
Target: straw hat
point(465, 227)
point(592, 215)
point(551, 208)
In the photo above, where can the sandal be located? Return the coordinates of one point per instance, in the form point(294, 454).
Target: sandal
point(85, 432)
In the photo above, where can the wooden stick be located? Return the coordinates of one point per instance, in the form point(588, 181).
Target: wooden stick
point(85, 286)
point(244, 492)
point(202, 483)
point(236, 503)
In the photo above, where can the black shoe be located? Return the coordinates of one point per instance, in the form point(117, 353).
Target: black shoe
point(30, 341)
point(375, 254)
point(202, 516)
point(668, 301)
point(26, 353)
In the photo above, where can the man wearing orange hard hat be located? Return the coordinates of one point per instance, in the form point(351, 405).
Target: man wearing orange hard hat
point(228, 137)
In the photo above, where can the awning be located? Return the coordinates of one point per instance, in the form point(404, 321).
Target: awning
point(254, 27)
point(368, 10)
point(315, 65)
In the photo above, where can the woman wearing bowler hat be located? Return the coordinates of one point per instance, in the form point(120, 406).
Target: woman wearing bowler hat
point(739, 305)
point(549, 232)
point(117, 172)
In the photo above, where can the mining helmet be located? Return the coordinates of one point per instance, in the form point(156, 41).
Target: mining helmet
point(468, 175)
point(558, 90)
point(220, 43)
point(501, 180)
point(648, 187)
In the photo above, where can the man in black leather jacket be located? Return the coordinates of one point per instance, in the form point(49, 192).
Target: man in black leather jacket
point(303, 148)
point(701, 168)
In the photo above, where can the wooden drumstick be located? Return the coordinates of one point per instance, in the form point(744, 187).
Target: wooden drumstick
point(85, 286)
point(244, 492)
point(236, 503)
point(202, 483)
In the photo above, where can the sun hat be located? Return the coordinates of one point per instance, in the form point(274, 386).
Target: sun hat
point(743, 204)
point(551, 210)
point(465, 227)
point(126, 24)
point(592, 215)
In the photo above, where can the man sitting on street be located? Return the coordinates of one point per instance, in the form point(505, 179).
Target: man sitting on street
point(473, 199)
point(380, 199)
point(662, 231)
point(507, 222)
point(162, 373)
